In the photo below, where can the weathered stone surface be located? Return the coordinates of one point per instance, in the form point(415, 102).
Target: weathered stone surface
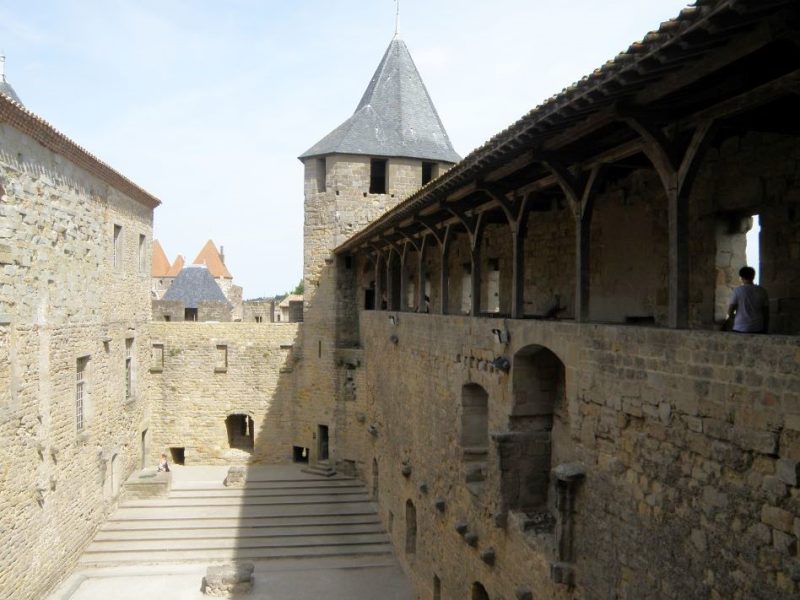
point(236, 477)
point(229, 579)
point(777, 517)
point(788, 471)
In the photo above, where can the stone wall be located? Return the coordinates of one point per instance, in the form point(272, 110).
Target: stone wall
point(168, 310)
point(690, 454)
point(69, 296)
point(333, 212)
point(262, 309)
point(204, 372)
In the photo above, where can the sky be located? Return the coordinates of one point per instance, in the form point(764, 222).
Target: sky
point(207, 104)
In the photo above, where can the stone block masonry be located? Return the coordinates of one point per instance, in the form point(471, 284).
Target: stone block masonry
point(224, 391)
point(74, 415)
point(690, 454)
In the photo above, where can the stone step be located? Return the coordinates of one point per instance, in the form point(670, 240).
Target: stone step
point(159, 533)
point(223, 500)
point(264, 491)
point(308, 481)
point(233, 511)
point(321, 470)
point(378, 549)
point(238, 523)
point(311, 540)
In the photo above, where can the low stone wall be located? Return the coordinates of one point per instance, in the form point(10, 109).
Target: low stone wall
point(209, 371)
point(690, 443)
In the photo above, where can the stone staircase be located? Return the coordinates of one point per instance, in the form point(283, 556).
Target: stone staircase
point(284, 515)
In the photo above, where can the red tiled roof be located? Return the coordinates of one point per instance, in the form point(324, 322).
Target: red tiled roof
point(160, 266)
point(210, 257)
point(176, 266)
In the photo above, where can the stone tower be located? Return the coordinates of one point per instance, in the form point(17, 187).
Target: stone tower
point(392, 145)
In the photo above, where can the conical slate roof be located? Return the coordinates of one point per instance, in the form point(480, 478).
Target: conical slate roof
point(194, 285)
point(395, 117)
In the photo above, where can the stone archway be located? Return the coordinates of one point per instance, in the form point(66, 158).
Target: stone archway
point(525, 449)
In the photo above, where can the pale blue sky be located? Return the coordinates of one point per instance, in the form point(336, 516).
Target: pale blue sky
point(207, 104)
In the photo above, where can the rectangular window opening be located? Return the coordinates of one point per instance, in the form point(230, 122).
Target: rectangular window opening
point(753, 247)
point(299, 454)
point(221, 363)
point(258, 318)
point(117, 245)
point(80, 392)
point(157, 357)
point(142, 253)
point(427, 172)
point(437, 588)
point(377, 176)
point(128, 368)
point(190, 314)
point(178, 456)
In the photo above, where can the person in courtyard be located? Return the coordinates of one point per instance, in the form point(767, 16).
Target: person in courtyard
point(749, 305)
point(163, 465)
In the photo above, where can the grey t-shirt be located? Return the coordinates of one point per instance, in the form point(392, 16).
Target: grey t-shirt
point(750, 301)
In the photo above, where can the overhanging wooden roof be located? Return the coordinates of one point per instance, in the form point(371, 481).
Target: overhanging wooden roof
point(715, 59)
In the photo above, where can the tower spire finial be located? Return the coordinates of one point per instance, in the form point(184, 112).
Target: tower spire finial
point(396, 18)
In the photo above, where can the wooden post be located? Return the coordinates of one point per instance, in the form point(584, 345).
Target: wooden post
point(578, 191)
point(677, 167)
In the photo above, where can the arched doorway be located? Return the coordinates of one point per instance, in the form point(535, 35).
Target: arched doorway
point(538, 386)
point(240, 432)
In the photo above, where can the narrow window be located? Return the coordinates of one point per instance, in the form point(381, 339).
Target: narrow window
point(190, 314)
point(411, 528)
point(221, 359)
point(157, 357)
point(479, 592)
point(80, 392)
point(466, 289)
point(142, 254)
point(258, 318)
point(437, 587)
point(753, 247)
point(166, 318)
point(128, 368)
point(493, 286)
point(117, 245)
point(427, 172)
point(377, 176)
point(322, 185)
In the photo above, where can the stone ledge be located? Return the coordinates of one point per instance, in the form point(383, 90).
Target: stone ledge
point(148, 483)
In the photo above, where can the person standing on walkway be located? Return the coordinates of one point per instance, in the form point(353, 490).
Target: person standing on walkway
point(749, 305)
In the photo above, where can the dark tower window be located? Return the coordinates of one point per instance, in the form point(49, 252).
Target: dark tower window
point(427, 172)
point(377, 176)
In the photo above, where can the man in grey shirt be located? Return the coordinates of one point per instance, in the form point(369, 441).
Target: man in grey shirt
point(749, 305)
